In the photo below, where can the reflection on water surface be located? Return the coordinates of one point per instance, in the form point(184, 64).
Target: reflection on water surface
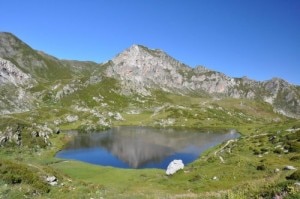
point(141, 147)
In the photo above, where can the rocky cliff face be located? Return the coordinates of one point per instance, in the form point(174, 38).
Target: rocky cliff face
point(283, 96)
point(13, 88)
point(9, 73)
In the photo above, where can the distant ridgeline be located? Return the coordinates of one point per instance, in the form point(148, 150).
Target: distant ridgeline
point(90, 94)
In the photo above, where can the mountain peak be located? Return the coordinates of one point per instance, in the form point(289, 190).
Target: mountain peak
point(139, 55)
point(137, 49)
point(145, 68)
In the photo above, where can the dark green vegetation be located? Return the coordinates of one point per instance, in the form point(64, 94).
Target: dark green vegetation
point(64, 95)
point(13, 173)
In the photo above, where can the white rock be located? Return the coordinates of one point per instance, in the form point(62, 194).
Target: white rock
point(118, 116)
point(174, 166)
point(53, 183)
point(51, 179)
point(71, 118)
point(277, 170)
point(221, 158)
point(289, 168)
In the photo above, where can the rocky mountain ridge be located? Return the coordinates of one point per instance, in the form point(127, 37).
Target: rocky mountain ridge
point(139, 71)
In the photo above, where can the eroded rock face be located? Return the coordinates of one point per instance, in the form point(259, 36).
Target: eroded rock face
point(12, 135)
point(13, 85)
point(283, 96)
point(9, 73)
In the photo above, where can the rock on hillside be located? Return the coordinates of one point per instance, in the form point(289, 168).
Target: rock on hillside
point(10, 74)
point(284, 96)
point(13, 88)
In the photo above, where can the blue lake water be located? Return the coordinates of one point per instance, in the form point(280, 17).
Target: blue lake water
point(141, 147)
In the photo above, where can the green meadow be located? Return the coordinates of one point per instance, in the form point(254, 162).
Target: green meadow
point(250, 167)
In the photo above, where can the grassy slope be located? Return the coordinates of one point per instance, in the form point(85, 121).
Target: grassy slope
point(237, 177)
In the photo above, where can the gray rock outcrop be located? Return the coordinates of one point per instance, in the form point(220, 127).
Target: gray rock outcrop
point(12, 135)
point(9, 73)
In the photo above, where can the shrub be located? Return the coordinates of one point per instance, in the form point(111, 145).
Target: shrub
point(293, 136)
point(263, 150)
point(256, 152)
point(261, 167)
point(211, 159)
point(12, 172)
point(37, 141)
point(279, 151)
point(197, 177)
point(294, 146)
point(294, 176)
point(295, 158)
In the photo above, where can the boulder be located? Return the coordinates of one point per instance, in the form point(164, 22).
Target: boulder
point(71, 118)
point(289, 168)
point(277, 170)
point(3, 139)
point(174, 166)
point(35, 134)
point(118, 117)
point(52, 180)
point(53, 183)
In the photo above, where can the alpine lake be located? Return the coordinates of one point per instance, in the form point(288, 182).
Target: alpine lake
point(141, 147)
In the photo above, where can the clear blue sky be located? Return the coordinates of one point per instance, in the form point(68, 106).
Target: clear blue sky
point(256, 38)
